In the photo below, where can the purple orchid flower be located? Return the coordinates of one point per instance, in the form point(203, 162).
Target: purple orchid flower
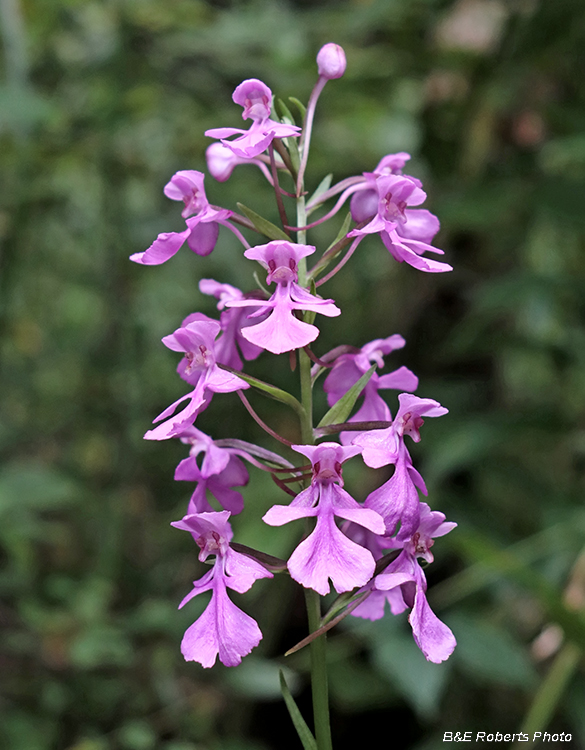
point(196, 338)
point(327, 553)
point(384, 198)
point(348, 369)
point(220, 471)
point(397, 499)
point(281, 331)
point(364, 201)
point(231, 342)
point(381, 447)
point(403, 584)
point(202, 229)
point(405, 232)
point(222, 628)
point(256, 99)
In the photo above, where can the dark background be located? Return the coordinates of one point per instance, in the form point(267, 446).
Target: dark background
point(100, 103)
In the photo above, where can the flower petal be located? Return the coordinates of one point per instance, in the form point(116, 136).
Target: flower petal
point(432, 636)
point(281, 332)
point(164, 247)
point(222, 629)
point(328, 554)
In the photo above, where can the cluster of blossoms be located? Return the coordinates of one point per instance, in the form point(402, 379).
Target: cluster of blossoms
point(372, 549)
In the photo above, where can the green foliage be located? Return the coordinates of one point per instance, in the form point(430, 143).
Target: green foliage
point(305, 736)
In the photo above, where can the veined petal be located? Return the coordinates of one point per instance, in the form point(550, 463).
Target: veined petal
point(373, 607)
point(401, 379)
point(241, 571)
point(420, 225)
point(164, 247)
point(365, 517)
point(432, 636)
point(224, 132)
point(203, 237)
point(380, 447)
point(301, 299)
point(199, 587)
point(278, 515)
point(222, 629)
point(227, 497)
point(194, 396)
point(199, 503)
point(376, 225)
point(251, 144)
point(397, 500)
point(176, 426)
point(404, 252)
point(188, 471)
point(281, 332)
point(388, 581)
point(328, 554)
point(221, 381)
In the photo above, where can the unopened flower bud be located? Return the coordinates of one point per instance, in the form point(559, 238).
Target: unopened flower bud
point(331, 61)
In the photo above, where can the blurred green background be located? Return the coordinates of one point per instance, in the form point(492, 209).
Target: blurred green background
point(100, 103)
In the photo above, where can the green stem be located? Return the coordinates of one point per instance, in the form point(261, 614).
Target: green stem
point(307, 436)
point(319, 685)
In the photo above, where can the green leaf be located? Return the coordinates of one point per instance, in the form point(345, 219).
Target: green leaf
point(342, 232)
point(269, 390)
point(137, 734)
point(292, 147)
point(300, 106)
point(284, 112)
point(305, 734)
point(341, 410)
point(265, 227)
point(323, 186)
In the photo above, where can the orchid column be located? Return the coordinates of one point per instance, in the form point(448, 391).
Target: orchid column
point(368, 551)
